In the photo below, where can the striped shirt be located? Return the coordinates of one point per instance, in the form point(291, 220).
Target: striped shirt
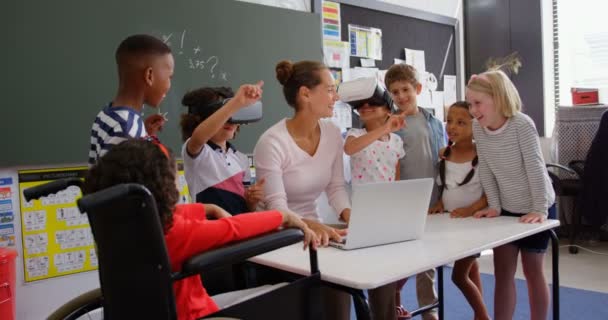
point(511, 167)
point(112, 126)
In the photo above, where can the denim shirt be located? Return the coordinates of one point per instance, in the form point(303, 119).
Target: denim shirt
point(438, 135)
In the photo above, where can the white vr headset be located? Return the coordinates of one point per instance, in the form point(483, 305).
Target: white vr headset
point(364, 90)
point(249, 114)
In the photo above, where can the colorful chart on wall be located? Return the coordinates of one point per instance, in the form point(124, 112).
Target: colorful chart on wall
point(56, 236)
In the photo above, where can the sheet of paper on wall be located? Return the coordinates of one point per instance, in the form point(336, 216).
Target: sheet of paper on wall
point(358, 72)
point(331, 20)
point(415, 58)
point(342, 116)
point(368, 63)
point(375, 44)
point(398, 61)
point(365, 42)
point(449, 89)
point(438, 104)
point(335, 54)
point(9, 204)
point(381, 74)
point(424, 99)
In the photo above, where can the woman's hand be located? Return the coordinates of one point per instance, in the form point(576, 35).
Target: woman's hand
point(215, 211)
point(291, 220)
point(486, 213)
point(254, 194)
point(437, 208)
point(325, 233)
point(532, 217)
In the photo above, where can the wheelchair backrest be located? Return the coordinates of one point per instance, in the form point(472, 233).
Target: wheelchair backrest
point(134, 268)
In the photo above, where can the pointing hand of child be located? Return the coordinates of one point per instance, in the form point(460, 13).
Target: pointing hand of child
point(249, 93)
point(395, 122)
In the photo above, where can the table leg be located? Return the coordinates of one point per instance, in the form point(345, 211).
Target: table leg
point(439, 303)
point(440, 291)
point(362, 309)
point(555, 263)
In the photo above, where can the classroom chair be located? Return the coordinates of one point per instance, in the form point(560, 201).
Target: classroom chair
point(134, 270)
point(570, 186)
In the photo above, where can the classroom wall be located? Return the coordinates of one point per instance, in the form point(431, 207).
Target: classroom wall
point(450, 8)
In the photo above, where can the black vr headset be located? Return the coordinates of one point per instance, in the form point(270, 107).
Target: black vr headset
point(364, 90)
point(248, 114)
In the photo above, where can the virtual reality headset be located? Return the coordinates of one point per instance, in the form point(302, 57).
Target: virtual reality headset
point(364, 90)
point(248, 114)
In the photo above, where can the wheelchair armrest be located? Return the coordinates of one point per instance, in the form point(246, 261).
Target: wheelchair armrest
point(239, 251)
point(559, 166)
point(51, 187)
point(578, 166)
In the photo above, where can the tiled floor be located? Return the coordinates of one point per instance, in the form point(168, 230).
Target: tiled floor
point(585, 270)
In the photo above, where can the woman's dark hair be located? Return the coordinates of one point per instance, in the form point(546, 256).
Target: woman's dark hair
point(138, 161)
point(448, 150)
point(199, 98)
point(295, 75)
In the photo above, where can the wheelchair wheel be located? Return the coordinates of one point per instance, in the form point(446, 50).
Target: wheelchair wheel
point(87, 306)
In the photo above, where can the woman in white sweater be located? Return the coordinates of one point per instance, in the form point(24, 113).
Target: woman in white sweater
point(301, 157)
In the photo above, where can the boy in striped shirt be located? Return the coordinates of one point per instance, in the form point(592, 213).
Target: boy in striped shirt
point(145, 68)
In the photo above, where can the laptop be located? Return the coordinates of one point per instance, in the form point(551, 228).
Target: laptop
point(387, 212)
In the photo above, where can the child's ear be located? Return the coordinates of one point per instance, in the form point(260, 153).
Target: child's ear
point(149, 76)
point(418, 88)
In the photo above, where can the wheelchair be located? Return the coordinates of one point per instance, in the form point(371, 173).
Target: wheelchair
point(134, 270)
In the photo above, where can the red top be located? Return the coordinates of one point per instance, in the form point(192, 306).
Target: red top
point(191, 234)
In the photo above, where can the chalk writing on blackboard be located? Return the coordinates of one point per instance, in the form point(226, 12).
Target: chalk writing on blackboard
point(194, 58)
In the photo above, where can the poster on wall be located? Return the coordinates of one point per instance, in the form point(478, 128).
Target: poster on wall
point(331, 21)
point(56, 237)
point(7, 213)
point(365, 42)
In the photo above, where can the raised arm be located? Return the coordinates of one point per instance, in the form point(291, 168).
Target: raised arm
point(246, 95)
point(355, 144)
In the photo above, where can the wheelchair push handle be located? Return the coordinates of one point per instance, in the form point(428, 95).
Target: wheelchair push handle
point(105, 196)
point(50, 188)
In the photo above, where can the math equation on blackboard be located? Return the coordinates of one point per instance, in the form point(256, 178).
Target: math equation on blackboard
point(194, 57)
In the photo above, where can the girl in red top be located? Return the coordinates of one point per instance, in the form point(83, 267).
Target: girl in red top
point(187, 231)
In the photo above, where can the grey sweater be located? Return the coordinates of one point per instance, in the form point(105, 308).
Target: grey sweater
point(511, 167)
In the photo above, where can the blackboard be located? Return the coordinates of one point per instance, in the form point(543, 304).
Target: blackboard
point(399, 31)
point(59, 69)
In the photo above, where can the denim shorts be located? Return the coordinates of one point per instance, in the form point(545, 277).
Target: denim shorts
point(536, 243)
